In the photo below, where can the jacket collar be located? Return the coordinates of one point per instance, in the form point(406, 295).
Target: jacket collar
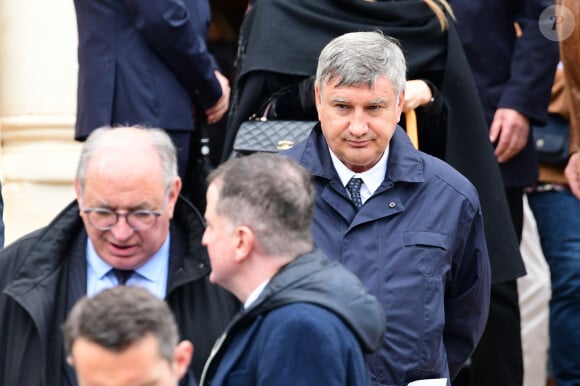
point(404, 163)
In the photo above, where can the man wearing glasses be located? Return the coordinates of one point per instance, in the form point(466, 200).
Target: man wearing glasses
point(127, 226)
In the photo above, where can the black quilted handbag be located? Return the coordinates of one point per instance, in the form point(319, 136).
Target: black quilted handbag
point(261, 133)
point(270, 136)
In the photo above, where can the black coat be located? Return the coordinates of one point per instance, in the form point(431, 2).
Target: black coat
point(33, 302)
point(304, 27)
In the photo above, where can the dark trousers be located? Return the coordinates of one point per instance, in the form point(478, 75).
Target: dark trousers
point(498, 358)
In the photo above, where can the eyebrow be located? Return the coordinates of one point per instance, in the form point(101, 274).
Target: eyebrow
point(378, 101)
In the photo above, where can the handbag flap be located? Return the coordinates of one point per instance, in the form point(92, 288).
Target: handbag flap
point(551, 140)
point(271, 136)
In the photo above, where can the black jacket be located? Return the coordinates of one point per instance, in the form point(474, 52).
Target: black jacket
point(34, 296)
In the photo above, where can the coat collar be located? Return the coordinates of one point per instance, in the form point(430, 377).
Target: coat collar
point(404, 163)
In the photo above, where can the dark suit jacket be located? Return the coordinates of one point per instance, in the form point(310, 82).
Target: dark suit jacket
point(143, 62)
point(510, 72)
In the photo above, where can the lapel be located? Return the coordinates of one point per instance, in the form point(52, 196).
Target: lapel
point(405, 165)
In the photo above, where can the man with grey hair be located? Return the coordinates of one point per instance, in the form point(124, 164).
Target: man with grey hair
point(127, 225)
point(306, 320)
point(406, 223)
point(125, 336)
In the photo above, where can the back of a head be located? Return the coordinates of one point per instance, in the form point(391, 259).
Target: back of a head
point(123, 142)
point(118, 317)
point(273, 195)
point(359, 58)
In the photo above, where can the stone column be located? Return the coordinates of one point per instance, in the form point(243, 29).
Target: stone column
point(38, 70)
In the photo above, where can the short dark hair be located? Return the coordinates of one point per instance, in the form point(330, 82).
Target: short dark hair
point(273, 195)
point(118, 317)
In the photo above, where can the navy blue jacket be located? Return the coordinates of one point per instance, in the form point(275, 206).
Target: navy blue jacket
point(418, 245)
point(309, 326)
point(510, 72)
point(143, 62)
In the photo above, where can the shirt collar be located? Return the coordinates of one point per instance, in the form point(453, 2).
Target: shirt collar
point(372, 178)
point(255, 294)
point(151, 270)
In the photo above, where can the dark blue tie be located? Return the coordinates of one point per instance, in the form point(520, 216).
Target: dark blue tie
point(353, 188)
point(122, 275)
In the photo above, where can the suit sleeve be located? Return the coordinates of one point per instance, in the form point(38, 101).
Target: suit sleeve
point(467, 300)
point(533, 64)
point(169, 27)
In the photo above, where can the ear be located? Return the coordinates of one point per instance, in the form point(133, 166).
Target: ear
point(244, 243)
point(70, 361)
point(400, 103)
point(317, 98)
point(79, 195)
point(174, 190)
point(182, 357)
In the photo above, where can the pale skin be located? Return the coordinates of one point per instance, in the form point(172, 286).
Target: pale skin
point(124, 178)
point(417, 94)
point(238, 262)
point(217, 111)
point(138, 365)
point(572, 173)
point(358, 121)
point(510, 129)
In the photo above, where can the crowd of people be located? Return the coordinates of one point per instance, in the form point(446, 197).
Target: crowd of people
point(352, 258)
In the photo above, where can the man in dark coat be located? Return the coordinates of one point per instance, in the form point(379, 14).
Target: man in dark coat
point(514, 77)
point(128, 219)
point(306, 320)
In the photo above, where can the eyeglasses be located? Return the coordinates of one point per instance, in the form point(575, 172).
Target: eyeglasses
point(139, 220)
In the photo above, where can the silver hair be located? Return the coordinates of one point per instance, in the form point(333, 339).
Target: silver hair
point(101, 139)
point(119, 317)
point(272, 195)
point(359, 58)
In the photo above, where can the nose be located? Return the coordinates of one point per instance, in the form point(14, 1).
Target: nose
point(203, 238)
point(121, 230)
point(358, 124)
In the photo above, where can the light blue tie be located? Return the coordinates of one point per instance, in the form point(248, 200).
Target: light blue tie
point(353, 188)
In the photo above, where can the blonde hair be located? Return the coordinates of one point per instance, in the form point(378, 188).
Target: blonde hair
point(440, 13)
point(433, 4)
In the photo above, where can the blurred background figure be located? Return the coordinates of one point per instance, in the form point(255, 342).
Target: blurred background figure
point(514, 75)
point(555, 201)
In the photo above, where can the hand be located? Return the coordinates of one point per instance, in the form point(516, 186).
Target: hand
point(417, 93)
point(572, 173)
point(512, 128)
point(216, 112)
